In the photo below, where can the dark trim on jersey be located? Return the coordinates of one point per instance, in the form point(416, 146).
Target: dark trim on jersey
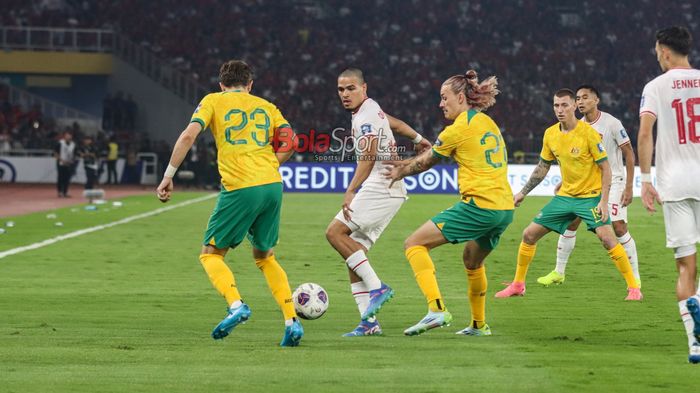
point(200, 121)
point(547, 161)
point(436, 154)
point(470, 114)
point(601, 160)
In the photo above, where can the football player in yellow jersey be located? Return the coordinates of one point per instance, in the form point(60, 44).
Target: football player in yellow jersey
point(249, 204)
point(586, 178)
point(474, 141)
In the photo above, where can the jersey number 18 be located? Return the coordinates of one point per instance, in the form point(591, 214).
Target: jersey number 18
point(677, 104)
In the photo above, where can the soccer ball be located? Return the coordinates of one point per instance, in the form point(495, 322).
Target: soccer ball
point(310, 300)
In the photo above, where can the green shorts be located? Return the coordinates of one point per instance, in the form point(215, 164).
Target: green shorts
point(560, 211)
point(252, 211)
point(467, 221)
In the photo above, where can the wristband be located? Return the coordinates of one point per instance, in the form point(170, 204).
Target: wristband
point(646, 177)
point(170, 171)
point(417, 139)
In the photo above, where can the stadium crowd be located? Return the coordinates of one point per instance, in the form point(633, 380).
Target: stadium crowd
point(407, 48)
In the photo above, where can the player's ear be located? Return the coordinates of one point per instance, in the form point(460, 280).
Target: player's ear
point(249, 86)
point(221, 85)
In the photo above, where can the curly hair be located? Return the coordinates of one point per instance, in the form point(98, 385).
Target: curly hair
point(480, 96)
point(235, 73)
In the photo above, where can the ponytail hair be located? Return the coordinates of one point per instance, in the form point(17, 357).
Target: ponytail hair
point(480, 96)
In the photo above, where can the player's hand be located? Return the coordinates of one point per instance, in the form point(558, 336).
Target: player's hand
point(557, 188)
point(518, 199)
point(393, 171)
point(649, 196)
point(349, 196)
point(165, 188)
point(602, 210)
point(626, 199)
point(422, 146)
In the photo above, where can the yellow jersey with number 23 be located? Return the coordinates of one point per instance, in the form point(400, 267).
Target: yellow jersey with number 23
point(243, 126)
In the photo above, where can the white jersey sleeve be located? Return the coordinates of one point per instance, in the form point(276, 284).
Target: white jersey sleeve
point(370, 120)
point(650, 100)
point(614, 136)
point(674, 98)
point(619, 133)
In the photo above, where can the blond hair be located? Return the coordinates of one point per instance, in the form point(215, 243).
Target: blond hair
point(479, 96)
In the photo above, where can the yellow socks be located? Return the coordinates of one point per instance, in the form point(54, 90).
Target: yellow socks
point(277, 281)
point(424, 271)
point(220, 276)
point(477, 294)
point(525, 254)
point(622, 263)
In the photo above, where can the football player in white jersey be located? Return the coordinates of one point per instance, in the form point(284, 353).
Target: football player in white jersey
point(366, 213)
point(617, 144)
point(672, 101)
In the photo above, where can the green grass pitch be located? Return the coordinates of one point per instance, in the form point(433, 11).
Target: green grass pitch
point(129, 309)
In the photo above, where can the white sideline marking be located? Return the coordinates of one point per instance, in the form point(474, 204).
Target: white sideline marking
point(96, 228)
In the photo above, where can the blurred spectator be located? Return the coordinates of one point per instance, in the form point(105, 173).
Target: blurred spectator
point(65, 163)
point(112, 157)
point(89, 154)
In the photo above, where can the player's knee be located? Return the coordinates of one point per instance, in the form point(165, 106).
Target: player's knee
point(620, 228)
point(529, 237)
point(332, 234)
point(609, 242)
point(410, 241)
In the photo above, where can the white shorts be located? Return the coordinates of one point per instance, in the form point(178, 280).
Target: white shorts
point(682, 220)
point(615, 208)
point(371, 213)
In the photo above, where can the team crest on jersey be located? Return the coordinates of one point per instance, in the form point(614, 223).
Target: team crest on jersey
point(575, 150)
point(366, 129)
point(623, 134)
point(381, 115)
point(600, 148)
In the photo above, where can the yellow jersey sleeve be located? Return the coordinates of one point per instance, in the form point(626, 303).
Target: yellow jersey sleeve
point(595, 145)
point(546, 154)
point(278, 121)
point(447, 142)
point(204, 112)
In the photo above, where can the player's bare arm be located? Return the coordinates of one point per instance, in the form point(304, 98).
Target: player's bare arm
point(536, 178)
point(418, 164)
point(403, 129)
point(285, 143)
point(182, 146)
point(628, 154)
point(365, 163)
point(606, 180)
point(645, 148)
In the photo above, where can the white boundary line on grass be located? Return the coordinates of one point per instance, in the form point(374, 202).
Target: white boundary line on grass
point(96, 228)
